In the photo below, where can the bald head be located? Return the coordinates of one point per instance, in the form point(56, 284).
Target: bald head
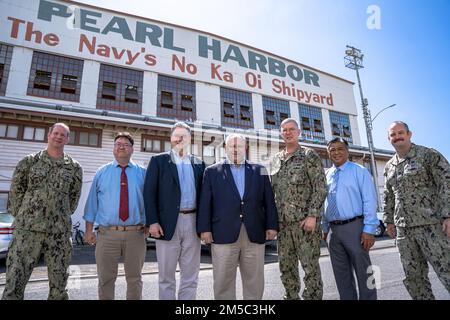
point(235, 148)
point(400, 123)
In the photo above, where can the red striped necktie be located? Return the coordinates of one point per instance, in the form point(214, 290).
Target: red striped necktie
point(123, 207)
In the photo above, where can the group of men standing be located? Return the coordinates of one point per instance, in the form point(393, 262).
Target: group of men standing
point(236, 206)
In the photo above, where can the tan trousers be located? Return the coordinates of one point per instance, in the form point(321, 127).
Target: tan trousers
point(249, 257)
point(111, 245)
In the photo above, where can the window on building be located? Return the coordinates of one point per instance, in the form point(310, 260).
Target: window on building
point(340, 126)
point(346, 131)
point(318, 126)
point(245, 113)
point(4, 200)
point(270, 118)
point(2, 67)
point(34, 133)
point(27, 131)
point(166, 99)
point(207, 146)
point(55, 77)
point(176, 98)
point(109, 90)
point(305, 124)
point(42, 80)
point(85, 137)
point(335, 129)
point(156, 144)
point(69, 84)
point(275, 110)
point(228, 110)
point(131, 94)
point(236, 107)
point(187, 102)
point(120, 89)
point(311, 123)
point(9, 131)
point(5, 63)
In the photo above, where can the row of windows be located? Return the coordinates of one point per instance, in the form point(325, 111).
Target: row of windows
point(120, 89)
point(38, 133)
point(210, 149)
point(311, 124)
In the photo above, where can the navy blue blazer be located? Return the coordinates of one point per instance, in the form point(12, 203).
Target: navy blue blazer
point(162, 193)
point(221, 205)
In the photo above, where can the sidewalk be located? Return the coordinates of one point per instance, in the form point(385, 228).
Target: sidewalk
point(83, 261)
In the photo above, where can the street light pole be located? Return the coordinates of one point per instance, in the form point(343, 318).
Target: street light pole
point(373, 119)
point(353, 60)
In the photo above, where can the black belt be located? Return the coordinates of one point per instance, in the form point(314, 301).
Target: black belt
point(188, 211)
point(340, 222)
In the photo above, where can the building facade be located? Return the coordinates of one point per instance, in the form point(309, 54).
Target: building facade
point(102, 72)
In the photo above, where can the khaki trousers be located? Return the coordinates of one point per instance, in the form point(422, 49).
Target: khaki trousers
point(111, 245)
point(249, 257)
point(183, 249)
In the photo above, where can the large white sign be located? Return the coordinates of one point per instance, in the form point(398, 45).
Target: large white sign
point(91, 33)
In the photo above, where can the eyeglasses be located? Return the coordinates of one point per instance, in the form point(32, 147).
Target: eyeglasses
point(124, 145)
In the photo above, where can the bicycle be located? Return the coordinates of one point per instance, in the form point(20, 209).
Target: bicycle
point(78, 235)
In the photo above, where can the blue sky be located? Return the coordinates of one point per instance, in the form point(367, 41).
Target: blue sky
point(407, 60)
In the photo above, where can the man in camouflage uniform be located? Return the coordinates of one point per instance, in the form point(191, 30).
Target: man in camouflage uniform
point(44, 193)
point(417, 210)
point(299, 184)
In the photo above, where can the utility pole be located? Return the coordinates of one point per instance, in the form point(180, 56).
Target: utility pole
point(353, 60)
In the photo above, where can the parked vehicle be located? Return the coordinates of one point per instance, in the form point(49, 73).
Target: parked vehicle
point(379, 232)
point(6, 232)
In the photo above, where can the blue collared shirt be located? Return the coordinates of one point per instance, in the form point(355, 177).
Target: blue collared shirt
point(187, 181)
point(355, 196)
point(102, 205)
point(238, 173)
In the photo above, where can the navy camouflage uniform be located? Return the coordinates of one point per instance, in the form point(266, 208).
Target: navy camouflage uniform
point(417, 200)
point(44, 194)
point(300, 189)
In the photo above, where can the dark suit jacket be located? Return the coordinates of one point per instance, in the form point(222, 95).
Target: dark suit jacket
point(162, 193)
point(221, 204)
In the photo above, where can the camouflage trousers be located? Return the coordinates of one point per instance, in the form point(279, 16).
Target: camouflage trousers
point(24, 252)
point(295, 244)
point(417, 245)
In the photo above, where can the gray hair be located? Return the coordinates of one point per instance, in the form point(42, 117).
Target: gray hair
point(288, 120)
point(235, 135)
point(180, 124)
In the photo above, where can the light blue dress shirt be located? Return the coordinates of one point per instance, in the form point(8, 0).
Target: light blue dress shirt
point(187, 181)
point(238, 173)
point(355, 196)
point(102, 205)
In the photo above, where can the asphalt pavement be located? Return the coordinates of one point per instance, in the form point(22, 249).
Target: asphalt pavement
point(83, 261)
